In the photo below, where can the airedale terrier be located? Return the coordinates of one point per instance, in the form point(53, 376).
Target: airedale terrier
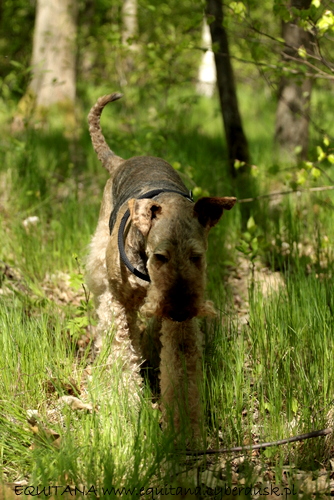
point(148, 257)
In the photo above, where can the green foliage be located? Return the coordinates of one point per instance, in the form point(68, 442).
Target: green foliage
point(307, 173)
point(325, 23)
point(164, 55)
point(249, 243)
point(16, 28)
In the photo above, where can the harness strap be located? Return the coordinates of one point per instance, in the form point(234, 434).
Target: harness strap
point(124, 258)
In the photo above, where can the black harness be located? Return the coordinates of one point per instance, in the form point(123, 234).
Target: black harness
point(125, 260)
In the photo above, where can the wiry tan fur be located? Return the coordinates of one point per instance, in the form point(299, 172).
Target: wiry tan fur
point(165, 237)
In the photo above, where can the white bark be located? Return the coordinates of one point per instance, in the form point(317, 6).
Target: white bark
point(207, 71)
point(130, 22)
point(53, 58)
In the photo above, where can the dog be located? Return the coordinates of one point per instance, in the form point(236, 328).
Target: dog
point(147, 260)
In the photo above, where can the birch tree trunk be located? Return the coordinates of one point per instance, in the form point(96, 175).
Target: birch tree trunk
point(293, 109)
point(207, 71)
point(126, 65)
point(236, 140)
point(54, 53)
point(130, 22)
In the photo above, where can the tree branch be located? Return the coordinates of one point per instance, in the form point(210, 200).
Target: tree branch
point(321, 74)
point(299, 60)
point(290, 191)
point(300, 437)
point(319, 58)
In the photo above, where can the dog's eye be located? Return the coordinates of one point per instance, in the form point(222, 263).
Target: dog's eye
point(161, 258)
point(196, 259)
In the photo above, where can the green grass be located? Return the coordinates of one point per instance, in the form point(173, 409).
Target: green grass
point(268, 379)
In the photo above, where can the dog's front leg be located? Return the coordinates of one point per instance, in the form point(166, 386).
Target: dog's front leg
point(120, 325)
point(181, 374)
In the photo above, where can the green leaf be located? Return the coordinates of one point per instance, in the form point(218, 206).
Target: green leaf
point(282, 11)
point(239, 9)
point(301, 177)
point(17, 64)
point(326, 22)
point(315, 173)
point(302, 52)
point(267, 406)
point(254, 171)
point(76, 280)
point(197, 191)
point(269, 452)
point(307, 164)
point(321, 153)
point(75, 325)
point(238, 164)
point(243, 248)
point(255, 244)
point(294, 405)
point(247, 236)
point(326, 141)
point(251, 226)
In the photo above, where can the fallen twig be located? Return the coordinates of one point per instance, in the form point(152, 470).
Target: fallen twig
point(300, 437)
point(291, 191)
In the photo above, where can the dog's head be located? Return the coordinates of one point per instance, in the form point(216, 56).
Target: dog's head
point(175, 232)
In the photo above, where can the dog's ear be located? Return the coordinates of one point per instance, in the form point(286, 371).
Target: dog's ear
point(142, 213)
point(209, 210)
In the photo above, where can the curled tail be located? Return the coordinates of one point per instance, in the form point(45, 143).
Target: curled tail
point(109, 160)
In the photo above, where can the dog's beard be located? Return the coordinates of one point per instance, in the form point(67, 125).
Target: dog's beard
point(155, 305)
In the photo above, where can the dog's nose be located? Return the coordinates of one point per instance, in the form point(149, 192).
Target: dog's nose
point(182, 302)
point(180, 316)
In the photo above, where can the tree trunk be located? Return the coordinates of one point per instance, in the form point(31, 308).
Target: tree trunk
point(126, 64)
point(54, 54)
point(292, 115)
point(236, 140)
point(207, 71)
point(130, 22)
